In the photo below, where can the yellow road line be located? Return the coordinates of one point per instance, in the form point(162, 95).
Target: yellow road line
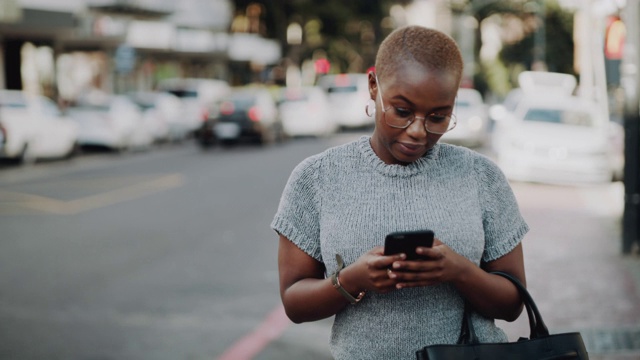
point(25, 201)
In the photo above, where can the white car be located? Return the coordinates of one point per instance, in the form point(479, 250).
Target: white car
point(197, 96)
point(163, 115)
point(557, 139)
point(32, 127)
point(348, 95)
point(472, 116)
point(111, 121)
point(305, 112)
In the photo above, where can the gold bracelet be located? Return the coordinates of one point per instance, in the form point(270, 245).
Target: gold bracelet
point(336, 283)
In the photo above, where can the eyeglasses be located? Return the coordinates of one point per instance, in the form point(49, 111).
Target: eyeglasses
point(401, 118)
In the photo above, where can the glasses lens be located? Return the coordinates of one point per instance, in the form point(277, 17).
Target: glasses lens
point(434, 123)
point(398, 118)
point(440, 123)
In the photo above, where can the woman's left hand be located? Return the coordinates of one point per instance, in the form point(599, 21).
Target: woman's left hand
point(440, 265)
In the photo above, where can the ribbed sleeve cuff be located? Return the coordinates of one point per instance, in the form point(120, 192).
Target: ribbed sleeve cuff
point(309, 246)
point(500, 250)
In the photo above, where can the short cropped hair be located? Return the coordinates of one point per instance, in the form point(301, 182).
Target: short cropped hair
point(430, 48)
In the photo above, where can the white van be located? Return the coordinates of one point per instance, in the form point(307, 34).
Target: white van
point(348, 95)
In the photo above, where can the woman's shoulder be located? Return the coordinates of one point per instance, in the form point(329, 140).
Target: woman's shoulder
point(334, 154)
point(480, 163)
point(457, 152)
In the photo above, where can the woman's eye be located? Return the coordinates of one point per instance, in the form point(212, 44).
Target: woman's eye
point(438, 118)
point(402, 112)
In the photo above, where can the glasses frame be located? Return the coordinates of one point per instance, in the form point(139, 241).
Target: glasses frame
point(452, 117)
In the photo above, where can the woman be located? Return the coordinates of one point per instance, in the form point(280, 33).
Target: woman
point(347, 199)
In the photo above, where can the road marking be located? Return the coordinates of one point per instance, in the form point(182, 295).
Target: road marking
point(253, 343)
point(13, 202)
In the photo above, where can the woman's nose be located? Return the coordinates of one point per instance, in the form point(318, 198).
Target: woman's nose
point(417, 128)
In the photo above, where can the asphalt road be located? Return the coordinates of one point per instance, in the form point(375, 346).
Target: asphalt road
point(169, 255)
point(159, 255)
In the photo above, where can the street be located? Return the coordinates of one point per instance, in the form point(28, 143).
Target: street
point(168, 254)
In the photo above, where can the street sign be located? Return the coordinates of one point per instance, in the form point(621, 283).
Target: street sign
point(125, 59)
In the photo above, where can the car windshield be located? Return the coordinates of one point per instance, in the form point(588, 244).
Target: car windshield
point(12, 104)
point(184, 93)
point(91, 107)
point(463, 104)
point(342, 89)
point(10, 100)
point(243, 102)
point(559, 116)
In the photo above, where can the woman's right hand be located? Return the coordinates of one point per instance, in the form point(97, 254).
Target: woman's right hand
point(370, 272)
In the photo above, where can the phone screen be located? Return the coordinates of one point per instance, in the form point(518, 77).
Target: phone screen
point(407, 242)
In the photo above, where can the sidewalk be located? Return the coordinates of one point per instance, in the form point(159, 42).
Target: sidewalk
point(575, 273)
point(575, 269)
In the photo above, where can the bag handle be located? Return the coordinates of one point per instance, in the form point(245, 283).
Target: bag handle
point(536, 324)
point(540, 328)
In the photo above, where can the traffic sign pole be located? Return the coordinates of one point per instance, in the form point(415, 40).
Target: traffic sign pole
point(631, 84)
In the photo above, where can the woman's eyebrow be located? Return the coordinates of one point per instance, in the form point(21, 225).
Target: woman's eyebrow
point(438, 108)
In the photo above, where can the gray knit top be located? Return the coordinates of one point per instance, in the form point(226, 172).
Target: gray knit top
point(346, 199)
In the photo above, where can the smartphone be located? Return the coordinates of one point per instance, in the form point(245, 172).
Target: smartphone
point(407, 242)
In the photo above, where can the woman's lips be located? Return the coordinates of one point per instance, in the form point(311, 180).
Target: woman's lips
point(411, 149)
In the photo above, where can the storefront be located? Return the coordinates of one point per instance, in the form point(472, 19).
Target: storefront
point(29, 43)
point(114, 46)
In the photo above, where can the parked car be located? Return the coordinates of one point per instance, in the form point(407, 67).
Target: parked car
point(111, 121)
point(162, 114)
point(305, 112)
point(197, 96)
point(558, 139)
point(348, 95)
point(248, 113)
point(472, 116)
point(32, 127)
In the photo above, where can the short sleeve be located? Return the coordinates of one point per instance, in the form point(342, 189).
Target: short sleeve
point(297, 217)
point(504, 226)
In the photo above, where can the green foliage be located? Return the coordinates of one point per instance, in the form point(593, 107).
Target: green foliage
point(558, 43)
point(347, 31)
point(559, 39)
point(557, 49)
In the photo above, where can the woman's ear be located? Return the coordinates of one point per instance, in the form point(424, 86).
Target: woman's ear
point(373, 85)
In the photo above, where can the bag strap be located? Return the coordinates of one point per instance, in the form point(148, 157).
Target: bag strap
point(467, 332)
point(536, 324)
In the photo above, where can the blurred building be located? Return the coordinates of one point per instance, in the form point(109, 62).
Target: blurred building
point(114, 45)
point(40, 24)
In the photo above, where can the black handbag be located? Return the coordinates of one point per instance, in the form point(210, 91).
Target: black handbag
point(539, 346)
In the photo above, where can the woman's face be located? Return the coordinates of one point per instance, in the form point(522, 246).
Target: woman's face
point(418, 90)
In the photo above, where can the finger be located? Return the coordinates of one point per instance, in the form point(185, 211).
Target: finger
point(383, 262)
point(415, 266)
point(385, 285)
point(378, 250)
point(432, 253)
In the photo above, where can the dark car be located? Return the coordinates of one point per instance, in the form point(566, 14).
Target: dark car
point(247, 114)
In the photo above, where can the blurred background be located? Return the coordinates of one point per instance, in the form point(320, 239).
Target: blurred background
point(144, 145)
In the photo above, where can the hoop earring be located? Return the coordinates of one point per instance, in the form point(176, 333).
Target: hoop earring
point(370, 108)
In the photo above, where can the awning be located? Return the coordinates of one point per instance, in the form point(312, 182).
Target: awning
point(40, 23)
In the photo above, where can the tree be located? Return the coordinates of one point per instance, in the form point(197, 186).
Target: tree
point(558, 52)
point(347, 31)
point(519, 55)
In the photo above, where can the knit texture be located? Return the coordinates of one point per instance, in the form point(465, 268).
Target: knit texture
point(346, 199)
